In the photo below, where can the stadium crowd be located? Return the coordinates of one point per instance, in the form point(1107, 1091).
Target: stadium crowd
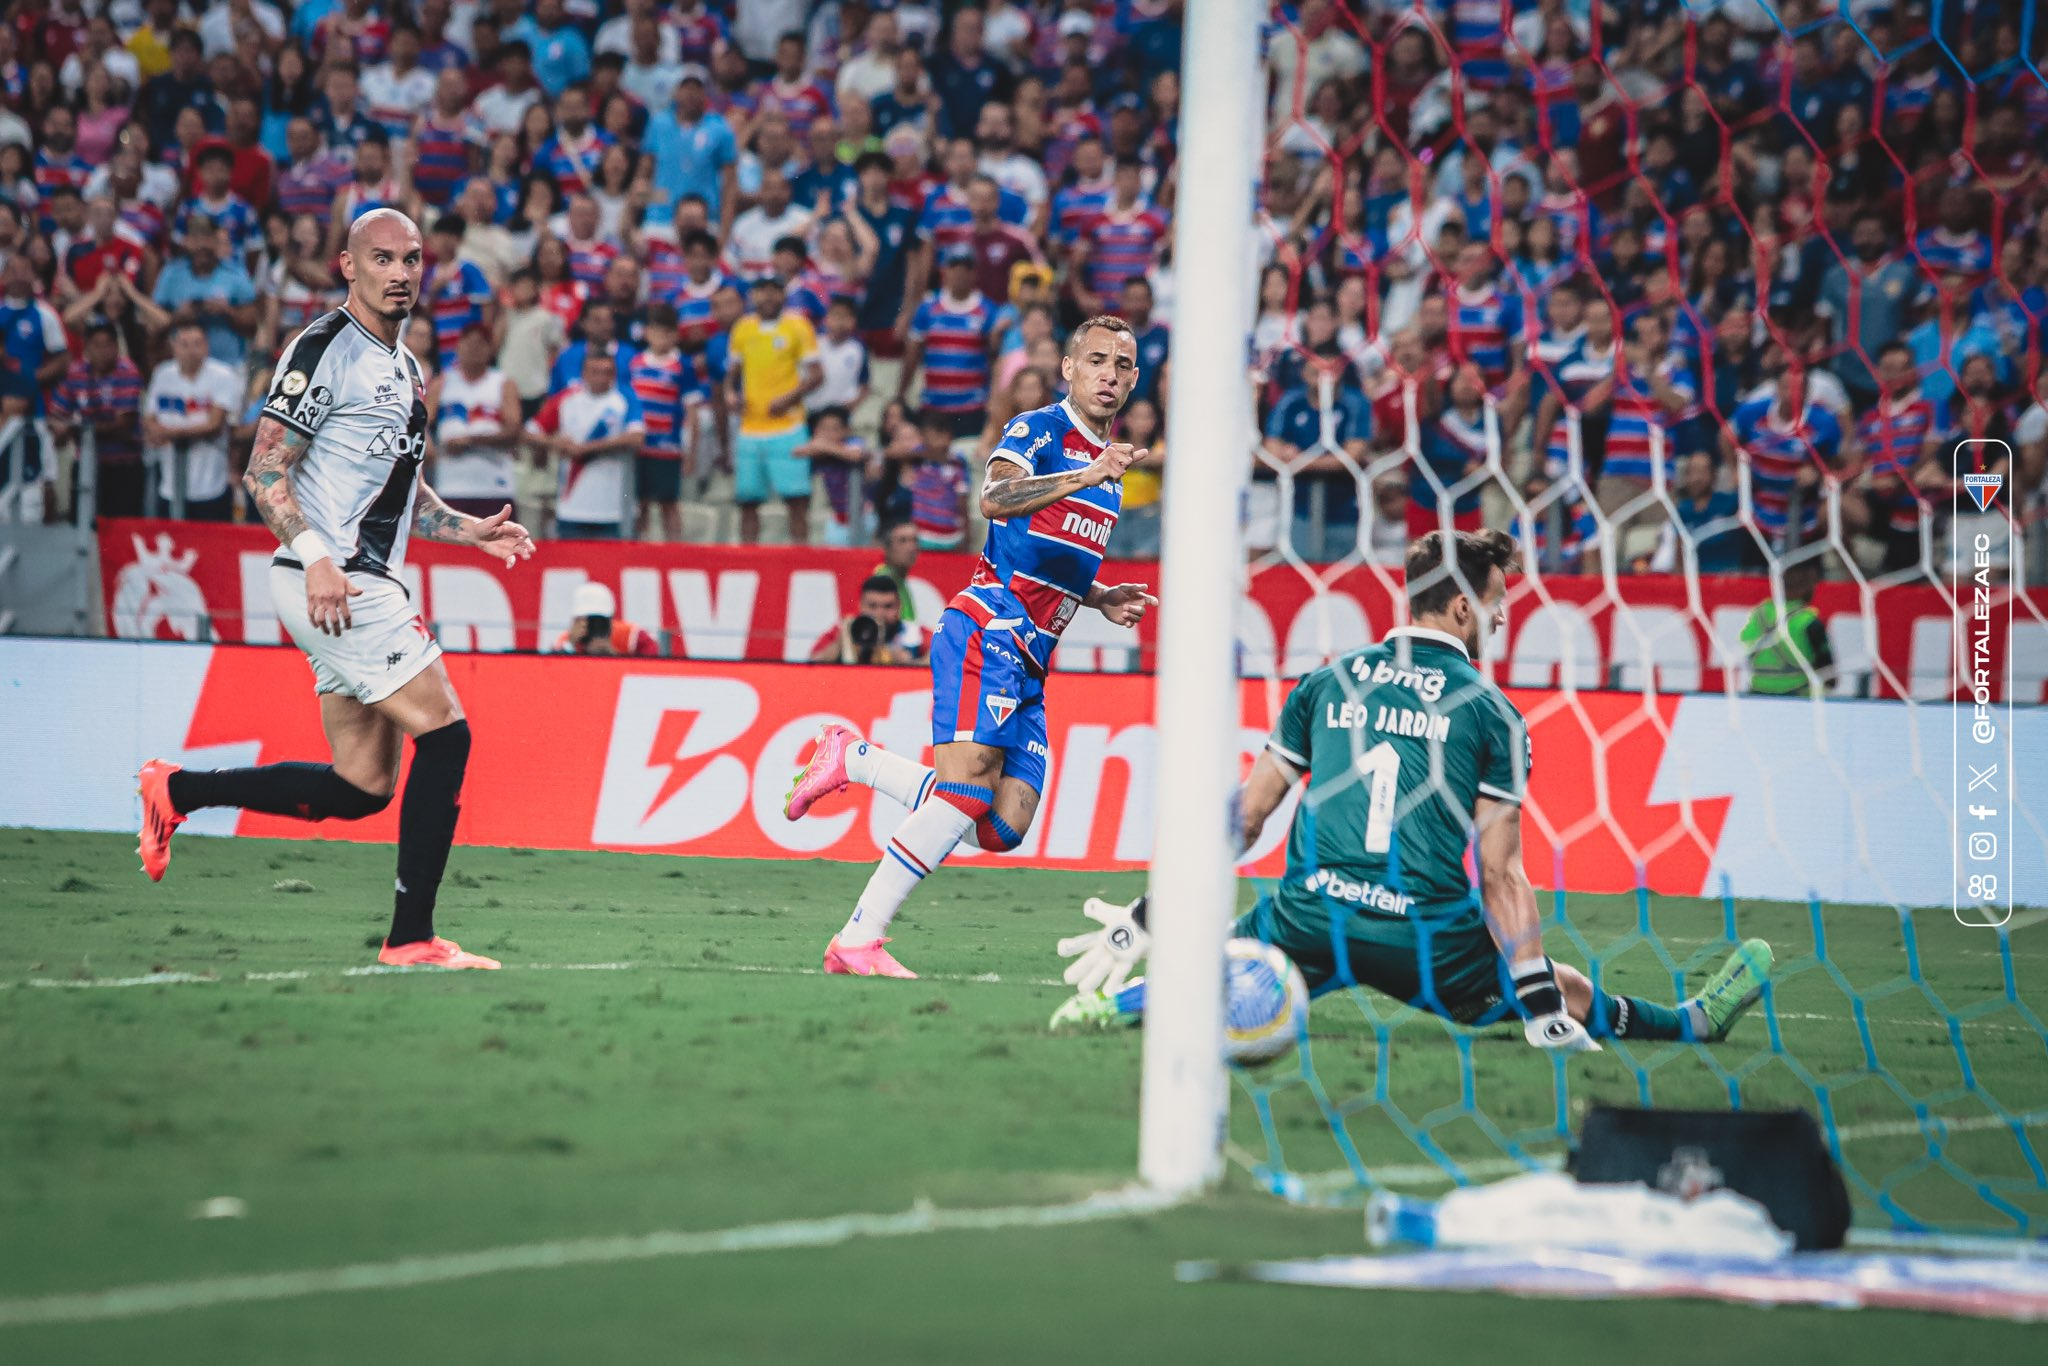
point(783, 268)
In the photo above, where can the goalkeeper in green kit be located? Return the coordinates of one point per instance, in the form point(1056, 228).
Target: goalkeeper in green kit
point(1411, 757)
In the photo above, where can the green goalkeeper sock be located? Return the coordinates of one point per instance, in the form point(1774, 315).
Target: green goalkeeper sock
point(1631, 1017)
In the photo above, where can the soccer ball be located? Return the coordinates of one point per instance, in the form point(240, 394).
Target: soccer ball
point(1266, 1003)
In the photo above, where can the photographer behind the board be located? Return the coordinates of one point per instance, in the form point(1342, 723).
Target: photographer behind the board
point(876, 632)
point(597, 630)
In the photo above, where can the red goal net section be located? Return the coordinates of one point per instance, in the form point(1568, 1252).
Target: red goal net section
point(1733, 315)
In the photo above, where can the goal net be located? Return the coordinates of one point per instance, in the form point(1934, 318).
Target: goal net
point(1732, 314)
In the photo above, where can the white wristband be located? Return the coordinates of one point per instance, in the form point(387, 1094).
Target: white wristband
point(308, 546)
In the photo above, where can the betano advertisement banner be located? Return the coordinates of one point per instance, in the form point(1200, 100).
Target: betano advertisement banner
point(1782, 799)
point(771, 603)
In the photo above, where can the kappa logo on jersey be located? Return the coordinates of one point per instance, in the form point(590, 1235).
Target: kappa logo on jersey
point(1001, 708)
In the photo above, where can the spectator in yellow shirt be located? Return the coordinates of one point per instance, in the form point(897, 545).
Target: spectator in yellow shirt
point(773, 363)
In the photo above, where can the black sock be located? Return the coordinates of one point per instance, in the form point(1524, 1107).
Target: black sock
point(311, 792)
point(426, 828)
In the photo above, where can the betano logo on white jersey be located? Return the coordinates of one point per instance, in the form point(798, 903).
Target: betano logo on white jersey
point(363, 405)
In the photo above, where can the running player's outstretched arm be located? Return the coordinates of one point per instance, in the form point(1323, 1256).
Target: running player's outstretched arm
point(496, 535)
point(1011, 491)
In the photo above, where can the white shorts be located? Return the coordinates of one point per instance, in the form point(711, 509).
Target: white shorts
point(385, 648)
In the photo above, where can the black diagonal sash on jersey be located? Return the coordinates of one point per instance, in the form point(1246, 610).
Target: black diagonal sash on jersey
point(378, 534)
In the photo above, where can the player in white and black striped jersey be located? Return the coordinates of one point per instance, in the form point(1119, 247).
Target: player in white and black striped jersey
point(336, 475)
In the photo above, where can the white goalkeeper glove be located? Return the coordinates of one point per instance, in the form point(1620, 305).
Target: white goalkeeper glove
point(1544, 1021)
point(1103, 958)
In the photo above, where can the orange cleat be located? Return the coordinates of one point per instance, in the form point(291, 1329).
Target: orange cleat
point(160, 820)
point(432, 953)
point(866, 960)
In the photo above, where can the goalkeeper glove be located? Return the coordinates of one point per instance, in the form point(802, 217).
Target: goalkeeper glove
point(1544, 1021)
point(1103, 958)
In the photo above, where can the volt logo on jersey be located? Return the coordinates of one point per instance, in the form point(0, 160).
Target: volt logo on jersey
point(1001, 708)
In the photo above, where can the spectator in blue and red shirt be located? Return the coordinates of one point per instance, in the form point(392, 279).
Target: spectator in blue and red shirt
point(457, 295)
point(104, 392)
point(448, 142)
point(1121, 243)
point(790, 91)
point(950, 338)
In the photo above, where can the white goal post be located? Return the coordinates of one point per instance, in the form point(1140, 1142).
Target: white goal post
point(1193, 877)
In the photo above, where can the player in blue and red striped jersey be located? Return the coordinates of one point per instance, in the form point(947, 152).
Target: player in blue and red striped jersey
point(663, 379)
point(1900, 440)
point(1053, 492)
point(448, 141)
point(1122, 241)
point(950, 336)
point(456, 292)
point(1784, 442)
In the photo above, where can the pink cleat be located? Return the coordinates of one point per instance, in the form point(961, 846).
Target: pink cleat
point(433, 953)
point(823, 775)
point(867, 960)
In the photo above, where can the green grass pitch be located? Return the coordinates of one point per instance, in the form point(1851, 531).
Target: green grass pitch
point(711, 1079)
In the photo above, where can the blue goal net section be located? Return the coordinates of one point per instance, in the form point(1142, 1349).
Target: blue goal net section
point(1731, 314)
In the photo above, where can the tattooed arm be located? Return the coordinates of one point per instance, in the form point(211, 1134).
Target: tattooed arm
point(268, 479)
point(496, 535)
point(1010, 493)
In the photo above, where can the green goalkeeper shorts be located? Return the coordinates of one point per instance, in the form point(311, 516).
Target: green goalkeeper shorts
point(1459, 974)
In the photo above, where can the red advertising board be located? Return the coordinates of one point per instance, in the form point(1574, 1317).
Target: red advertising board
point(163, 579)
point(673, 757)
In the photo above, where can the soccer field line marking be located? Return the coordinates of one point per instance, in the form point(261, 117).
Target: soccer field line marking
point(173, 979)
point(176, 979)
point(404, 1273)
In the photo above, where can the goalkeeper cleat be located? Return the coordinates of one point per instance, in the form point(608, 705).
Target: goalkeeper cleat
point(1736, 987)
point(160, 820)
point(432, 953)
point(863, 960)
point(1087, 1010)
point(823, 775)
